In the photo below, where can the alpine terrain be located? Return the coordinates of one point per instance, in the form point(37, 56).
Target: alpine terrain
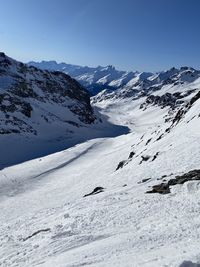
point(42, 112)
point(95, 79)
point(122, 189)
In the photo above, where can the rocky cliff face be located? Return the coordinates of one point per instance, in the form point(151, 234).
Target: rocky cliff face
point(41, 112)
point(31, 98)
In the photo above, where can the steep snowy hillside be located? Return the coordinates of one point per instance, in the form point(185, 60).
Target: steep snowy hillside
point(42, 112)
point(95, 79)
point(130, 200)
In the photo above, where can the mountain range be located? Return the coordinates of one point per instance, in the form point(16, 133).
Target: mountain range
point(97, 78)
point(122, 188)
point(109, 78)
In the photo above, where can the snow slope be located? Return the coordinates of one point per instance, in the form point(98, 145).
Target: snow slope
point(47, 221)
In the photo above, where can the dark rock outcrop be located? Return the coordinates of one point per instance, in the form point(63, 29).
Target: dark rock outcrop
point(164, 188)
point(120, 164)
point(27, 90)
point(97, 190)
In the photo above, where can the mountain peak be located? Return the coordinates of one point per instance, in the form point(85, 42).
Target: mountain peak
point(2, 54)
point(37, 104)
point(108, 77)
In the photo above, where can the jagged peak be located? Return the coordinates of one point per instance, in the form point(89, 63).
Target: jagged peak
point(186, 68)
point(109, 68)
point(2, 54)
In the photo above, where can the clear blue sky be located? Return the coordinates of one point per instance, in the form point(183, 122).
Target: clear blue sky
point(130, 34)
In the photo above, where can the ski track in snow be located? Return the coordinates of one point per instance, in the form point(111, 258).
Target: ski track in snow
point(121, 226)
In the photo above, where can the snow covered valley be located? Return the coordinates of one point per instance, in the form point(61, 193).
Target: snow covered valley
point(47, 221)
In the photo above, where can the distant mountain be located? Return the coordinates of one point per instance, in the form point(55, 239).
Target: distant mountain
point(95, 79)
point(115, 82)
point(173, 81)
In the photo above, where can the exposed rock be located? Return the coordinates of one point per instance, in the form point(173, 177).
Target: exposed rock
point(11, 104)
point(97, 190)
point(121, 164)
point(168, 99)
point(189, 264)
point(155, 156)
point(144, 158)
point(163, 101)
point(164, 188)
point(36, 233)
point(132, 153)
point(182, 111)
point(148, 141)
point(26, 90)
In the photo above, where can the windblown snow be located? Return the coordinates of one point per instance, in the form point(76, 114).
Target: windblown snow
point(87, 205)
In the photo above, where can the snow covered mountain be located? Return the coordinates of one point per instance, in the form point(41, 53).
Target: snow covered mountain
point(41, 112)
point(170, 82)
point(95, 79)
point(130, 199)
point(107, 80)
